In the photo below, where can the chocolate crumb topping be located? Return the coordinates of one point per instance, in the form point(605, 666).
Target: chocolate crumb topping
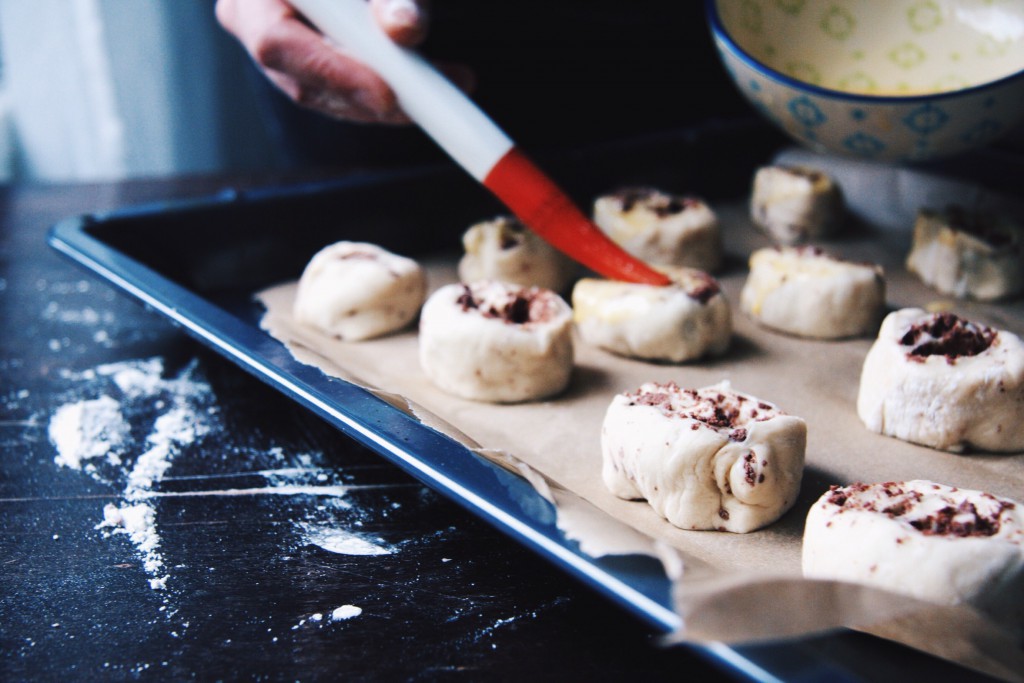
point(960, 520)
point(466, 299)
point(660, 204)
point(729, 413)
point(517, 307)
point(631, 196)
point(750, 475)
point(511, 234)
point(518, 310)
point(706, 287)
point(945, 334)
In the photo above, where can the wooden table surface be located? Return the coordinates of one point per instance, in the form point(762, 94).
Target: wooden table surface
point(251, 528)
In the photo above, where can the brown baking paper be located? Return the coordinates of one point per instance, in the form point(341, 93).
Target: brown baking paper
point(729, 587)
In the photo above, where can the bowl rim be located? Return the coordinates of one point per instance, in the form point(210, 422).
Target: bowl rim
point(720, 33)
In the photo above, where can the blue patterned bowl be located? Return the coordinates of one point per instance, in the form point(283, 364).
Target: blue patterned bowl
point(892, 80)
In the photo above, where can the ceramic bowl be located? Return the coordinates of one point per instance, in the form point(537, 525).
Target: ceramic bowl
point(893, 80)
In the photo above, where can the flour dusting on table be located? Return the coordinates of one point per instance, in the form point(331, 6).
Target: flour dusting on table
point(126, 424)
point(346, 612)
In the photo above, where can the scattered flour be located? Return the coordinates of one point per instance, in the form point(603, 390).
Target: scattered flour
point(341, 541)
point(177, 427)
point(94, 430)
point(88, 429)
point(346, 612)
point(139, 523)
point(85, 316)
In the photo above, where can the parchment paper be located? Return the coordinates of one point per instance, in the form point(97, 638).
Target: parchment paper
point(729, 587)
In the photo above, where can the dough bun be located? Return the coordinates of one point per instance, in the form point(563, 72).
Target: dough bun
point(356, 290)
point(496, 342)
point(794, 204)
point(941, 381)
point(930, 541)
point(973, 256)
point(679, 322)
point(504, 249)
point(709, 458)
point(805, 292)
point(661, 228)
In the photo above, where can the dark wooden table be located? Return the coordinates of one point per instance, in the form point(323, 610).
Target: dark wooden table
point(453, 599)
point(249, 528)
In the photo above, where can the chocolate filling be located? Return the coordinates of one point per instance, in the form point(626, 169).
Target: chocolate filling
point(516, 309)
point(707, 288)
point(511, 235)
point(716, 411)
point(964, 520)
point(659, 204)
point(947, 335)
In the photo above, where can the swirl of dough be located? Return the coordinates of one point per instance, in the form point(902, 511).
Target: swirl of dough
point(356, 290)
point(709, 458)
point(497, 342)
point(941, 381)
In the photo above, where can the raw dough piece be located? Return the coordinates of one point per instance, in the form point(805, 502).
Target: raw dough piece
point(496, 342)
point(968, 256)
point(504, 249)
point(806, 292)
point(793, 204)
point(356, 290)
point(660, 228)
point(930, 541)
point(676, 323)
point(941, 381)
point(708, 458)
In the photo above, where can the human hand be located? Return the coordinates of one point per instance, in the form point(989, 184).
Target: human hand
point(313, 72)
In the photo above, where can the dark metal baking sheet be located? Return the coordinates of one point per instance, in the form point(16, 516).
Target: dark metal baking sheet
point(199, 263)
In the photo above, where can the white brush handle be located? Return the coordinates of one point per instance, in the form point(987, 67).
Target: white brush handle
point(430, 99)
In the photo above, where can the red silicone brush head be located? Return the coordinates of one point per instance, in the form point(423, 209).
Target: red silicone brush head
point(546, 210)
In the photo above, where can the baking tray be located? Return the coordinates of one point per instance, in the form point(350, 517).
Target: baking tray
point(199, 262)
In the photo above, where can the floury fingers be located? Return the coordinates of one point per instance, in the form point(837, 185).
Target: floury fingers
point(496, 342)
point(355, 291)
point(941, 381)
point(661, 229)
point(679, 322)
point(933, 542)
point(707, 458)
